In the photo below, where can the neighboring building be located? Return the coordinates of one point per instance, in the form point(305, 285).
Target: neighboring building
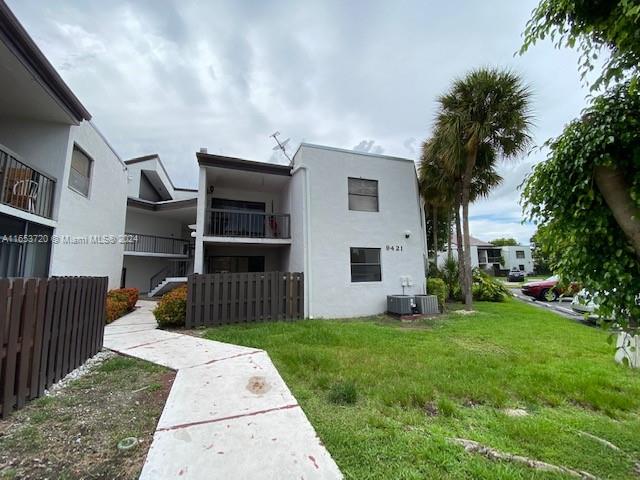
point(58, 175)
point(352, 222)
point(496, 260)
point(519, 257)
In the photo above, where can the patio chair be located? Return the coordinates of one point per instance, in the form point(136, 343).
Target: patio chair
point(25, 194)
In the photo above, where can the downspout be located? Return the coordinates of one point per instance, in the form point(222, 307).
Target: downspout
point(307, 240)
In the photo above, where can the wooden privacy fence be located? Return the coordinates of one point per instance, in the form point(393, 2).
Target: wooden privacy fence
point(48, 327)
point(219, 298)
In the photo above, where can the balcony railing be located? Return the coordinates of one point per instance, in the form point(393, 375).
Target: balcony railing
point(143, 243)
point(25, 188)
point(248, 224)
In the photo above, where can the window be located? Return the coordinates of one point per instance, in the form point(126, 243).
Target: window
point(365, 265)
point(80, 172)
point(521, 267)
point(363, 195)
point(519, 253)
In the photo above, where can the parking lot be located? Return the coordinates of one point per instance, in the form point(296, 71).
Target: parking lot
point(562, 306)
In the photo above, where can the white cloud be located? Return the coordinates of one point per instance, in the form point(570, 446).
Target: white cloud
point(171, 77)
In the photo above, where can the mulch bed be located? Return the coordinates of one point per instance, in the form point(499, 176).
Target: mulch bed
point(74, 433)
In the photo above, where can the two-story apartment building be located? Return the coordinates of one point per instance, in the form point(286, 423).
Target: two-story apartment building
point(351, 222)
point(359, 229)
point(56, 172)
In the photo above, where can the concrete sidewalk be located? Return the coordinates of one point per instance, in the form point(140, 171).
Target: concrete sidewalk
point(229, 414)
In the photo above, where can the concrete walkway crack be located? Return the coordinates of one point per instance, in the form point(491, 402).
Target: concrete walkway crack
point(231, 417)
point(224, 396)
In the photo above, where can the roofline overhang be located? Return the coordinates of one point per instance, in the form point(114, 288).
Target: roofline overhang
point(233, 163)
point(161, 206)
point(14, 35)
point(155, 156)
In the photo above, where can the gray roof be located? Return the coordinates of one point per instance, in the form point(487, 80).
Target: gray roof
point(476, 242)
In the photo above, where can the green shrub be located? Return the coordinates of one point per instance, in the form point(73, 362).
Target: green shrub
point(488, 288)
point(172, 308)
point(437, 287)
point(343, 393)
point(433, 270)
point(450, 274)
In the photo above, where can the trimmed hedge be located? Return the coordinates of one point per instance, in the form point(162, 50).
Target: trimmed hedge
point(120, 301)
point(437, 287)
point(172, 308)
point(132, 296)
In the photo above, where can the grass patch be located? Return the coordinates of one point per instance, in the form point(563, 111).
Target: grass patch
point(343, 393)
point(74, 434)
point(415, 387)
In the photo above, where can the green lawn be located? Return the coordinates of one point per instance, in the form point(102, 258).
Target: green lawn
point(418, 386)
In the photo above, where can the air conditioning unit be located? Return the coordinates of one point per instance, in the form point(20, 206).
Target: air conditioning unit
point(400, 304)
point(427, 304)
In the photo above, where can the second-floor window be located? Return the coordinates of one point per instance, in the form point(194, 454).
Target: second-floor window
point(80, 175)
point(519, 253)
point(363, 195)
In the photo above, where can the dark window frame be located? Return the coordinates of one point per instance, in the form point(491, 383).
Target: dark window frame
point(350, 194)
point(518, 253)
point(378, 277)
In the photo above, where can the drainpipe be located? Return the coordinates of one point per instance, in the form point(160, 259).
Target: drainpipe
point(307, 237)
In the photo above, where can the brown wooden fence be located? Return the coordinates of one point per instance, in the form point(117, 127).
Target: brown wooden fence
point(219, 298)
point(48, 327)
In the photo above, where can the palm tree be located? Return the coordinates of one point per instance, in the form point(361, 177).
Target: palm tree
point(442, 187)
point(488, 109)
point(435, 189)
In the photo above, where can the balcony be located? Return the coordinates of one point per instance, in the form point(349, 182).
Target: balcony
point(247, 224)
point(25, 188)
point(155, 245)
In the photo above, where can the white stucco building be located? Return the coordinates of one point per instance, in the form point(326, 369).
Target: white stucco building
point(497, 260)
point(351, 222)
point(159, 216)
point(56, 172)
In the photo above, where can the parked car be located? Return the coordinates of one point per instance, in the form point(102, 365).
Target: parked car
point(549, 289)
point(543, 289)
point(515, 275)
point(585, 303)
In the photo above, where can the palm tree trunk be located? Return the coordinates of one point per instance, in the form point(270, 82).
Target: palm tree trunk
point(426, 216)
point(468, 300)
point(435, 236)
point(449, 253)
point(466, 194)
point(461, 270)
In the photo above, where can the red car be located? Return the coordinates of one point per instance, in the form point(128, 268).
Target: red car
point(543, 289)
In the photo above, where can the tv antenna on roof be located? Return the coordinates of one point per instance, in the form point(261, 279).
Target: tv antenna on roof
point(281, 145)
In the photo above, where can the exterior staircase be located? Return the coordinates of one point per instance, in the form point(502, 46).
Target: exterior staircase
point(170, 277)
point(167, 284)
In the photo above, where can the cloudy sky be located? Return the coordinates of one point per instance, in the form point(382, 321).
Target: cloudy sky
point(173, 76)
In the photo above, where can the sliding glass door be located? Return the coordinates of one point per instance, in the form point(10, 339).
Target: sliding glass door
point(25, 248)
